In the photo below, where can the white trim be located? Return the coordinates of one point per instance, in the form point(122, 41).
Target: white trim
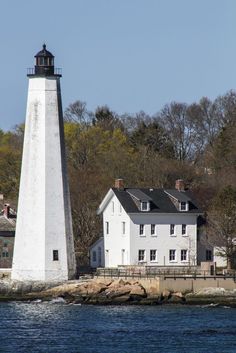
point(148, 206)
point(144, 257)
point(105, 201)
point(186, 255)
point(175, 253)
point(171, 195)
point(173, 234)
point(155, 255)
point(144, 233)
point(155, 234)
point(186, 206)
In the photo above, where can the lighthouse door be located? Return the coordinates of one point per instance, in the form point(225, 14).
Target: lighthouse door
point(122, 256)
point(107, 258)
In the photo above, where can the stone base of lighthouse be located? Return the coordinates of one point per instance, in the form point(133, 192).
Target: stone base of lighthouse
point(44, 248)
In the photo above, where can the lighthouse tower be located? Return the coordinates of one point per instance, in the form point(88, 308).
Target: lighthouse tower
point(44, 247)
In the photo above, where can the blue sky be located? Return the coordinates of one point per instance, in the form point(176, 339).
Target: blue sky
point(129, 54)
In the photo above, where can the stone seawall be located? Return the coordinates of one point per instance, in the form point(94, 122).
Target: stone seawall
point(123, 291)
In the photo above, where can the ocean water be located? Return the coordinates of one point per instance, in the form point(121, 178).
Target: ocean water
point(58, 327)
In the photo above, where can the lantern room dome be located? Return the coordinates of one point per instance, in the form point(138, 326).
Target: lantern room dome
point(44, 53)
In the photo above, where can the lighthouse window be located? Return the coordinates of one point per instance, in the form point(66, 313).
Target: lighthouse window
point(55, 255)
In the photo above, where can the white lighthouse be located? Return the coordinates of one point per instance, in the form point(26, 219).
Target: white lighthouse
point(44, 247)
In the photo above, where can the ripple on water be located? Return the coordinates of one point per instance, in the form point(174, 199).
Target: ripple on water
point(56, 327)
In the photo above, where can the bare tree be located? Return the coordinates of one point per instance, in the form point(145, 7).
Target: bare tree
point(180, 126)
point(77, 113)
point(221, 224)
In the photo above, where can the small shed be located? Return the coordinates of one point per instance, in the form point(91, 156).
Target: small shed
point(7, 236)
point(97, 254)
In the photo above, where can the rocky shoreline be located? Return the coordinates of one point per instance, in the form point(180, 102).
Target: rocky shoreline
point(111, 292)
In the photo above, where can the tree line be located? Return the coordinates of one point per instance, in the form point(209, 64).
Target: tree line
point(195, 142)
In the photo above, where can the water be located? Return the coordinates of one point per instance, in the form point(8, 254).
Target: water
point(58, 327)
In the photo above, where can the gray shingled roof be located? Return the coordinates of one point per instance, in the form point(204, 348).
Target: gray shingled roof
point(179, 195)
point(160, 201)
point(139, 195)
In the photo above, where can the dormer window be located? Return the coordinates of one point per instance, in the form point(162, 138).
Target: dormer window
point(183, 206)
point(145, 206)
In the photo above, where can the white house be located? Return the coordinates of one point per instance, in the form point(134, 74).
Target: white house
point(155, 227)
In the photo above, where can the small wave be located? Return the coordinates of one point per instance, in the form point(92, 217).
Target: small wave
point(58, 300)
point(211, 305)
point(37, 301)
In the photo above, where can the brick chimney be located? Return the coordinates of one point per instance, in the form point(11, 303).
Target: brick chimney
point(6, 210)
point(179, 185)
point(119, 184)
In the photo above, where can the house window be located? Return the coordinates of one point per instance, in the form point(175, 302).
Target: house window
point(120, 208)
point(5, 254)
point(184, 253)
point(107, 227)
point(141, 255)
point(172, 229)
point(123, 227)
point(144, 206)
point(153, 229)
point(113, 207)
point(94, 256)
point(55, 255)
point(141, 229)
point(208, 255)
point(184, 229)
point(172, 255)
point(183, 206)
point(153, 255)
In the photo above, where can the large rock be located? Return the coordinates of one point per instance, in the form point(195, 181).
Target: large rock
point(178, 294)
point(210, 291)
point(118, 291)
point(121, 299)
point(138, 290)
point(105, 282)
point(118, 283)
point(166, 293)
point(90, 288)
point(175, 299)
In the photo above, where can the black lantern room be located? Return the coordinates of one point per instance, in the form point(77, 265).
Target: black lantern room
point(44, 64)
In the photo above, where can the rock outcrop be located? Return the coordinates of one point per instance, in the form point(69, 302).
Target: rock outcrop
point(110, 291)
